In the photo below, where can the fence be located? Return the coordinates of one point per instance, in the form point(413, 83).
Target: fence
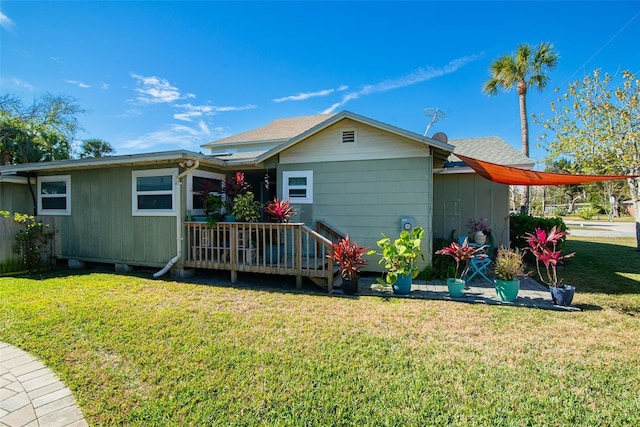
point(9, 260)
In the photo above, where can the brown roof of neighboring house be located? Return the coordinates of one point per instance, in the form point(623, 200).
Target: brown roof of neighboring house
point(490, 149)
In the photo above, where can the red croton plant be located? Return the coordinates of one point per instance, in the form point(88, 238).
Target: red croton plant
point(463, 254)
point(279, 210)
point(349, 257)
point(543, 246)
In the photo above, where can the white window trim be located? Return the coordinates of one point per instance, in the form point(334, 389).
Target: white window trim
point(67, 181)
point(134, 192)
point(286, 188)
point(201, 174)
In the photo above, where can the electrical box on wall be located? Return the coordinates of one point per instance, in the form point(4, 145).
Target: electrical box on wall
point(407, 223)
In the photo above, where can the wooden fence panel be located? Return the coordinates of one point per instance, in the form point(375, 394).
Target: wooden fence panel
point(8, 229)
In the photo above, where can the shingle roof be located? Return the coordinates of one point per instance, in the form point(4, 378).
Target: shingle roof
point(490, 149)
point(277, 130)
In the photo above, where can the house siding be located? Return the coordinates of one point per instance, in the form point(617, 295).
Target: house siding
point(101, 227)
point(460, 197)
point(365, 198)
point(16, 197)
point(371, 144)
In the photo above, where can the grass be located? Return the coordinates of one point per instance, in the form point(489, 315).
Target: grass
point(138, 351)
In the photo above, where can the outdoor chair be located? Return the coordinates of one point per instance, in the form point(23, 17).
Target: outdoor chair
point(480, 264)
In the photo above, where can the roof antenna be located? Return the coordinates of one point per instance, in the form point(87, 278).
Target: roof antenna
point(435, 114)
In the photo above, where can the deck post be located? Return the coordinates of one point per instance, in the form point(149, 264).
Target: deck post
point(233, 247)
point(299, 257)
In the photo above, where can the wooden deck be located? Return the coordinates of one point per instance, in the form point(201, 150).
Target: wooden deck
point(266, 248)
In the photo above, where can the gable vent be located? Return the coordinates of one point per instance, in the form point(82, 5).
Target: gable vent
point(348, 136)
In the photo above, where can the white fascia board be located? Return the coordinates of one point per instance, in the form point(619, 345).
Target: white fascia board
point(96, 162)
point(467, 169)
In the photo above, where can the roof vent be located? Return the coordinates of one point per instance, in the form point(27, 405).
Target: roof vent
point(348, 136)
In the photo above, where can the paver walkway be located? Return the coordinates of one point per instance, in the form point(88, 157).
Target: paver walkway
point(31, 395)
point(479, 291)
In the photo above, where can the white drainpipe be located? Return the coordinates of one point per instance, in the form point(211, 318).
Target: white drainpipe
point(175, 259)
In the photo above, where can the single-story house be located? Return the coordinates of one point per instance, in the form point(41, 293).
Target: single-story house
point(348, 172)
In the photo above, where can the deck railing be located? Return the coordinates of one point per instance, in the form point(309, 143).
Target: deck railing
point(268, 248)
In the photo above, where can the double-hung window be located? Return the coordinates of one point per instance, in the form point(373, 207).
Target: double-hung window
point(54, 195)
point(298, 186)
point(153, 192)
point(199, 184)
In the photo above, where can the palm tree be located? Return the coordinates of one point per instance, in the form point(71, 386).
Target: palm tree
point(95, 147)
point(526, 68)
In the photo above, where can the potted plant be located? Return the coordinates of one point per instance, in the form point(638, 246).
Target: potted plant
point(462, 254)
point(509, 269)
point(479, 229)
point(543, 246)
point(278, 211)
point(399, 257)
point(213, 209)
point(349, 257)
point(245, 208)
point(233, 188)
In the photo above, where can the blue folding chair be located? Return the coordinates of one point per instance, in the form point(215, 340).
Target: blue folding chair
point(478, 265)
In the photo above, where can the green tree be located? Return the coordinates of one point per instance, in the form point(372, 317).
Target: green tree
point(525, 68)
point(42, 131)
point(597, 125)
point(95, 147)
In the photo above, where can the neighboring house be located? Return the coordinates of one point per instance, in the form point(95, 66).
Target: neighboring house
point(355, 174)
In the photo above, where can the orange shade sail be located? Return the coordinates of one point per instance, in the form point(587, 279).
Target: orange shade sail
point(515, 176)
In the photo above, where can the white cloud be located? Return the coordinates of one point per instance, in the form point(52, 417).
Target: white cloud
point(174, 136)
point(6, 22)
point(16, 83)
point(306, 95)
point(194, 111)
point(156, 90)
point(78, 83)
point(418, 76)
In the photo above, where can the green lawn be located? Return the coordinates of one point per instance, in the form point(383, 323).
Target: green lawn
point(148, 352)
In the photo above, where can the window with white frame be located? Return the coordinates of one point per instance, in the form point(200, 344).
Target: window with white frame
point(54, 195)
point(298, 186)
point(199, 183)
point(153, 192)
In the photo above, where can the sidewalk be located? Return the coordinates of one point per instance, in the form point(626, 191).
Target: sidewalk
point(31, 395)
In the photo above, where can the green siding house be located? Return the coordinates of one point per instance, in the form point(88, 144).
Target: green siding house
point(352, 173)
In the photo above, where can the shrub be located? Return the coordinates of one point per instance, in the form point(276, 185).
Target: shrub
point(587, 212)
point(31, 239)
point(245, 208)
point(522, 224)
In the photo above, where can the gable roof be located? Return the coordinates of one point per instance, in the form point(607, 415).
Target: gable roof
point(490, 149)
point(307, 126)
point(277, 130)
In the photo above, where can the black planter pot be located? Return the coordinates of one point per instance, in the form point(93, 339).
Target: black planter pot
point(350, 287)
point(562, 296)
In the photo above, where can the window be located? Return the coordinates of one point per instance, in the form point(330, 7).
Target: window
point(198, 182)
point(348, 136)
point(298, 186)
point(153, 192)
point(54, 195)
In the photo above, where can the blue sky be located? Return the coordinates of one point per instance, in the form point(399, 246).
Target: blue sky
point(156, 76)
